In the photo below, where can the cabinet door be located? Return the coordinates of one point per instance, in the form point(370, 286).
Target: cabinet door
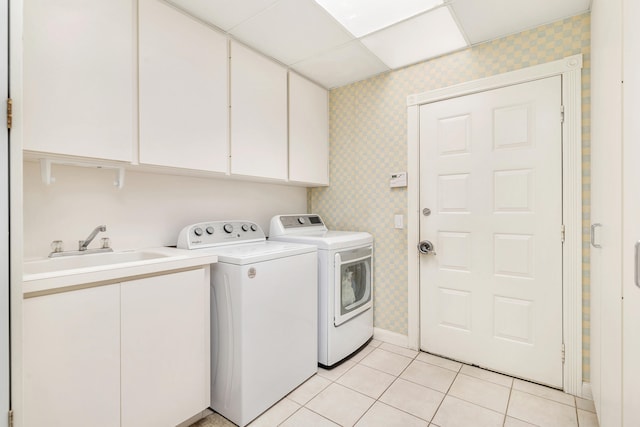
point(631, 213)
point(165, 348)
point(308, 132)
point(78, 83)
point(258, 115)
point(184, 108)
point(71, 356)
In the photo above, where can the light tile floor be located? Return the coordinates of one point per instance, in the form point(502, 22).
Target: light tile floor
point(386, 385)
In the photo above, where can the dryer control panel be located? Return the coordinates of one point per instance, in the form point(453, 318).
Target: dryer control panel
point(290, 224)
point(219, 233)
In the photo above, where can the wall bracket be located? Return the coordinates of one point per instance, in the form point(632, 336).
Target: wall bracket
point(48, 178)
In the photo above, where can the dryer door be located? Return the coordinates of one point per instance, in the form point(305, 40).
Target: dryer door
point(353, 283)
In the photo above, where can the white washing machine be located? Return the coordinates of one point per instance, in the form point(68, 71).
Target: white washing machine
point(263, 316)
point(345, 283)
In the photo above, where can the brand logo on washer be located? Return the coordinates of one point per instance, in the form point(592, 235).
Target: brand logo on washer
point(251, 273)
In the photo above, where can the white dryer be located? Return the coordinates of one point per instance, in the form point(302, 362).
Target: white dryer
point(263, 316)
point(345, 283)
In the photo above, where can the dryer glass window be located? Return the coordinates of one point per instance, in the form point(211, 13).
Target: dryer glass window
point(353, 283)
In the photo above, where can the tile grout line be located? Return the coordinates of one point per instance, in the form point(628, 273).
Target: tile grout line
point(412, 359)
point(385, 390)
point(576, 408)
point(506, 411)
point(445, 395)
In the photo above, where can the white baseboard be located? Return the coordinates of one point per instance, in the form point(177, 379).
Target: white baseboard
point(587, 393)
point(391, 337)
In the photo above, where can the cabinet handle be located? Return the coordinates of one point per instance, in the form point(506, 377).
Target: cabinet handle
point(637, 264)
point(593, 235)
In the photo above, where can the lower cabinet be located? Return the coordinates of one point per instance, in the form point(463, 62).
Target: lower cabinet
point(165, 338)
point(129, 354)
point(71, 356)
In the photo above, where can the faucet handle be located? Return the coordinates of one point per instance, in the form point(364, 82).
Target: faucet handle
point(106, 242)
point(57, 246)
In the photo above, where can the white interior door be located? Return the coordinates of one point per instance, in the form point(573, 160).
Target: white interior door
point(491, 175)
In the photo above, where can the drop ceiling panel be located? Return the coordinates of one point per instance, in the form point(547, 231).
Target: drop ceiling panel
point(292, 30)
point(224, 14)
point(362, 17)
point(491, 19)
point(425, 36)
point(347, 64)
point(303, 35)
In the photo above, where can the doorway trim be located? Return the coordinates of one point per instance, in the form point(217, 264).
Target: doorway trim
point(570, 68)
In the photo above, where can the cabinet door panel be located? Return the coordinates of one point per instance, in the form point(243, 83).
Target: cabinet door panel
point(71, 355)
point(308, 132)
point(258, 115)
point(79, 78)
point(165, 348)
point(184, 108)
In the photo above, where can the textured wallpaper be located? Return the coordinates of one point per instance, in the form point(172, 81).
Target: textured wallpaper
point(368, 142)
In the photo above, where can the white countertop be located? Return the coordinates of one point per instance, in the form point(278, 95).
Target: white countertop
point(170, 259)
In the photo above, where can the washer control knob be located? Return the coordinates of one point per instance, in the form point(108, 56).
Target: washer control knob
point(254, 227)
point(228, 228)
point(210, 230)
point(301, 220)
point(197, 231)
point(245, 227)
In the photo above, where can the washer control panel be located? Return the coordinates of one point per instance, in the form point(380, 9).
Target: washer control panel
point(219, 233)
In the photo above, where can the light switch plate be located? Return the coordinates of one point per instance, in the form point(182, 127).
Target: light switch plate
point(398, 221)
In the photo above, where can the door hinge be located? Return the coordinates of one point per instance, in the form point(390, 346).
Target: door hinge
point(562, 232)
point(562, 114)
point(563, 352)
point(9, 113)
point(11, 418)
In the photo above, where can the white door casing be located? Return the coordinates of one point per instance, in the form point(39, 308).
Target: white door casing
point(570, 70)
point(490, 172)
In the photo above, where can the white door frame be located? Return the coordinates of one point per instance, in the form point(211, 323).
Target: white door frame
point(570, 70)
point(5, 363)
point(16, 243)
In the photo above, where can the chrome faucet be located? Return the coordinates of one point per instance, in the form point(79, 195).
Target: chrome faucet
point(57, 248)
point(82, 244)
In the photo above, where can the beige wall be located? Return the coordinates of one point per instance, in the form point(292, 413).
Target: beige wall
point(149, 211)
point(368, 137)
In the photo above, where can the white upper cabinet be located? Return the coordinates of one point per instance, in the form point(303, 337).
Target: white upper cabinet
point(258, 115)
point(184, 107)
point(78, 81)
point(308, 132)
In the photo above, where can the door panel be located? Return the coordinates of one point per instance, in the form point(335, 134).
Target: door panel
point(490, 171)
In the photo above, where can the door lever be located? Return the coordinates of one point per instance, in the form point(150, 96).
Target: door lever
point(426, 247)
